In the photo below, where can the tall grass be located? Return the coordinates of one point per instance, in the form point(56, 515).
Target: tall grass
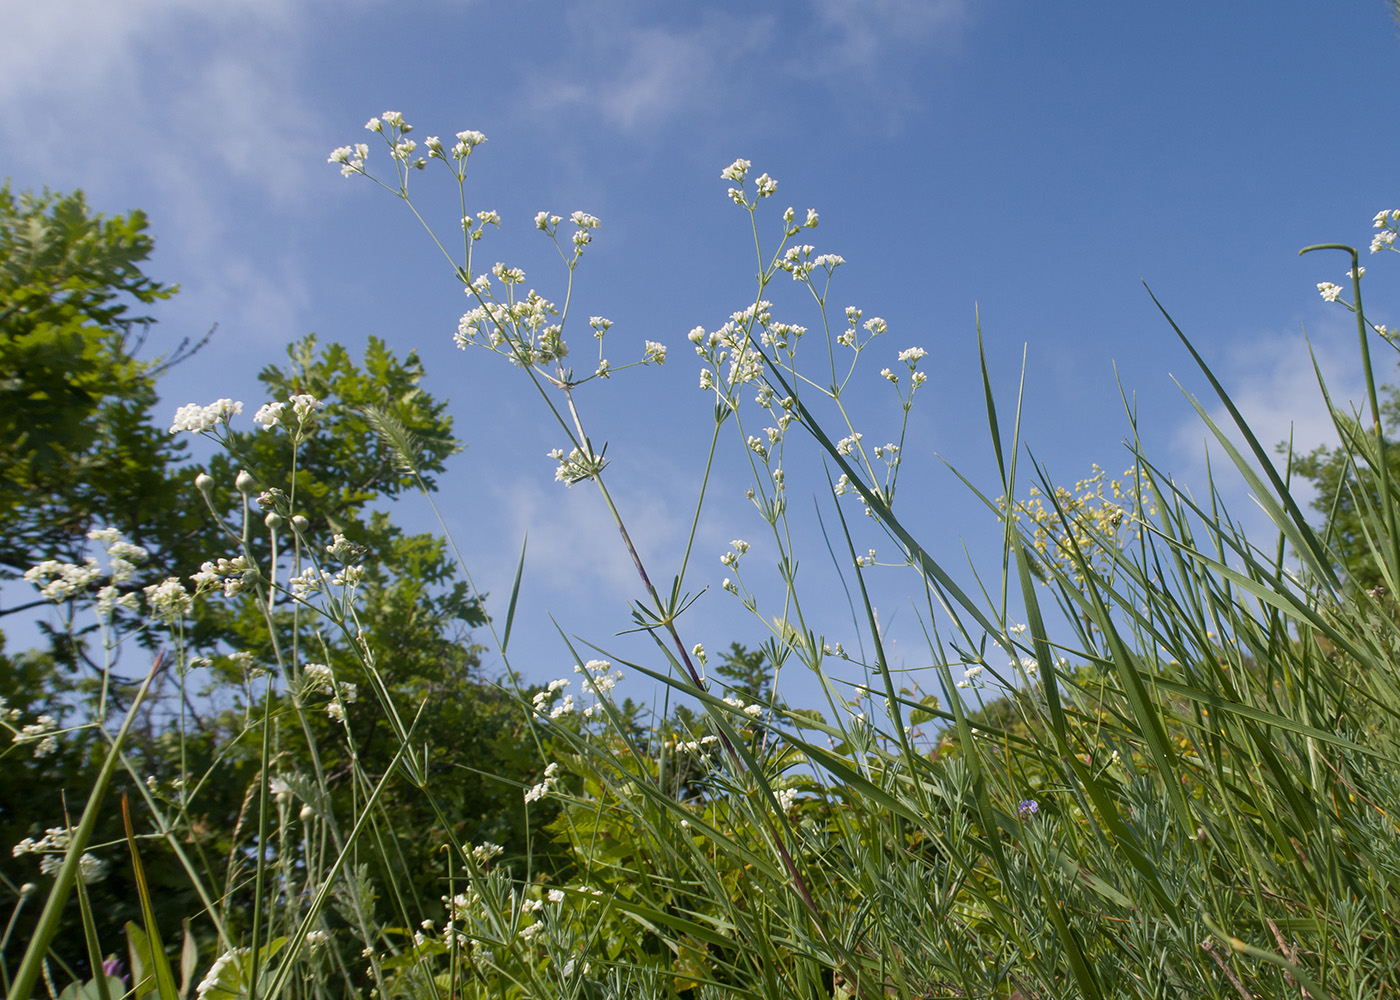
point(1178, 776)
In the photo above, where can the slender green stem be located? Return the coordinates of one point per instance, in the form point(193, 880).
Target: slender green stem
point(31, 966)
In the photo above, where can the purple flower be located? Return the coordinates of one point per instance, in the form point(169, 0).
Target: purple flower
point(1028, 808)
point(113, 967)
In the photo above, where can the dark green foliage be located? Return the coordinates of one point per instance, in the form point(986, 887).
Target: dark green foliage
point(80, 448)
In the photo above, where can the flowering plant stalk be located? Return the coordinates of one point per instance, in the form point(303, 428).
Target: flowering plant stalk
point(1120, 705)
point(1155, 758)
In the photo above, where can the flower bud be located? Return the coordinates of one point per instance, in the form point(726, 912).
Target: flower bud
point(306, 813)
point(273, 520)
point(27, 890)
point(300, 523)
point(245, 482)
point(204, 482)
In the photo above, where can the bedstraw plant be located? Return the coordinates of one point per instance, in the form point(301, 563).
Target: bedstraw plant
point(1150, 757)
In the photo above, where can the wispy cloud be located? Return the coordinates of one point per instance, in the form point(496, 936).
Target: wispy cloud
point(633, 74)
point(635, 66)
point(1272, 381)
point(575, 550)
point(857, 34)
point(186, 108)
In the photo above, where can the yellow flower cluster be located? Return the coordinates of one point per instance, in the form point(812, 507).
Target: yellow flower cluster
point(1085, 526)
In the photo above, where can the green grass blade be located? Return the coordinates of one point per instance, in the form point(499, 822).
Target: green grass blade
point(514, 595)
point(31, 965)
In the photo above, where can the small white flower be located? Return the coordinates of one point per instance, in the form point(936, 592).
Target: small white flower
point(484, 852)
point(304, 405)
point(169, 600)
point(269, 415)
point(1330, 292)
point(912, 354)
point(197, 419)
point(655, 353)
point(736, 171)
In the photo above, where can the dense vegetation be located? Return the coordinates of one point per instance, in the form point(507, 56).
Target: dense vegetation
point(1160, 761)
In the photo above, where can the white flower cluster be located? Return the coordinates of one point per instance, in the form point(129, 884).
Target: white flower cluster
point(168, 600)
point(576, 466)
point(545, 787)
point(736, 172)
point(313, 580)
point(970, 677)
point(350, 158)
point(63, 580)
point(697, 746)
point(53, 845)
point(122, 556)
point(484, 852)
point(753, 711)
point(583, 233)
point(317, 678)
point(731, 559)
point(304, 406)
point(197, 419)
point(799, 262)
point(597, 680)
point(520, 329)
point(230, 575)
point(1388, 222)
point(42, 731)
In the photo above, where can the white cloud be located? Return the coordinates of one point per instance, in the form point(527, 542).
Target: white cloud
point(636, 75)
point(633, 71)
point(575, 550)
point(857, 33)
point(169, 89)
point(1272, 382)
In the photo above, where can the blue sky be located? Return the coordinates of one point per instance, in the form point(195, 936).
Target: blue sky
point(1034, 162)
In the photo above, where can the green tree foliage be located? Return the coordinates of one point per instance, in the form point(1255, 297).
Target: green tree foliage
point(81, 448)
point(76, 442)
point(1348, 497)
